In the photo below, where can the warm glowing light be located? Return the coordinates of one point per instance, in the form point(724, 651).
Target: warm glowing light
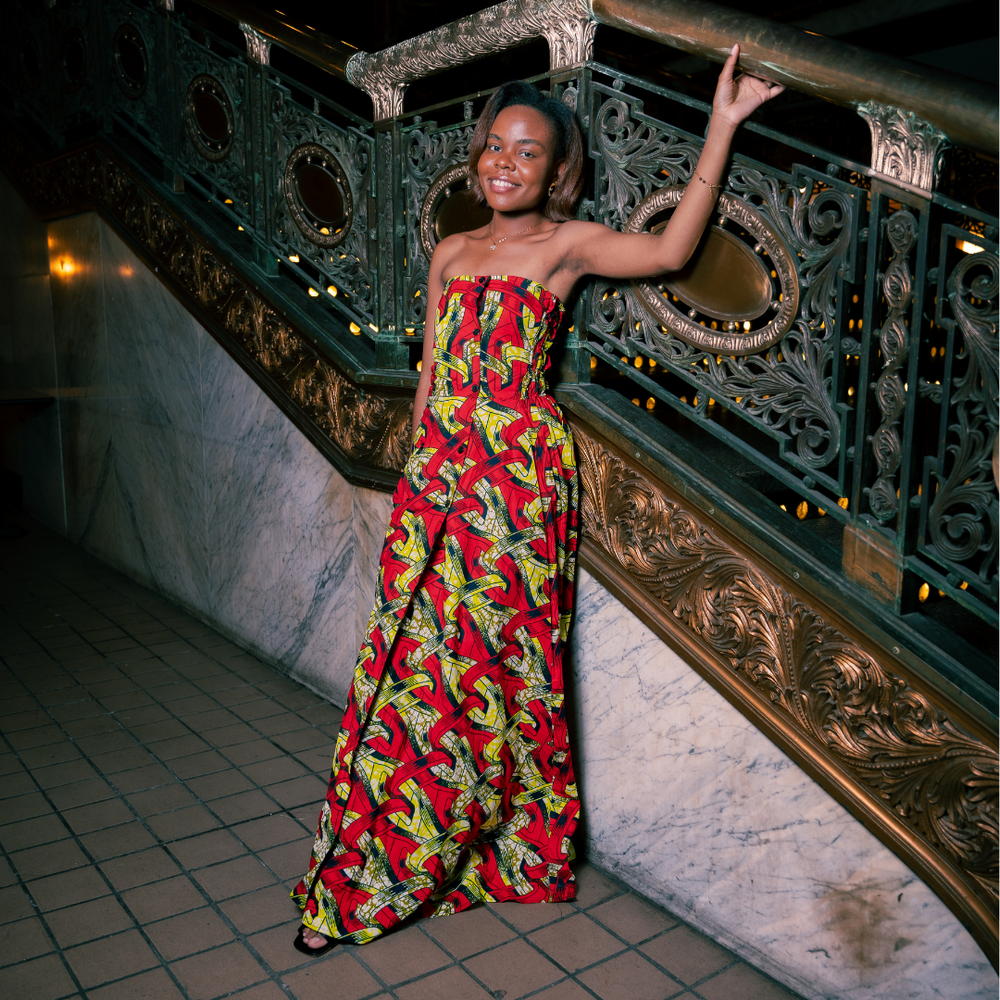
point(66, 266)
point(821, 512)
point(355, 329)
point(638, 362)
point(650, 403)
point(420, 366)
point(332, 290)
point(324, 230)
point(924, 592)
point(802, 511)
point(843, 502)
point(965, 585)
point(241, 229)
point(636, 401)
point(313, 294)
point(652, 363)
point(228, 201)
point(293, 258)
point(126, 271)
point(373, 328)
point(593, 362)
point(410, 331)
point(784, 508)
point(966, 247)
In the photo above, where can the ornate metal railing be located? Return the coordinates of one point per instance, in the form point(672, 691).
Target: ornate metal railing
point(827, 365)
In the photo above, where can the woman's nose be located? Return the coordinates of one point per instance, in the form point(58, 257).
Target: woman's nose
point(501, 160)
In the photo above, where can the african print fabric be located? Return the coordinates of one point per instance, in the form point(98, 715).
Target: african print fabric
point(452, 781)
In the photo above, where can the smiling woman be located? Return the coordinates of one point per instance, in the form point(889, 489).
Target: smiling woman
point(452, 779)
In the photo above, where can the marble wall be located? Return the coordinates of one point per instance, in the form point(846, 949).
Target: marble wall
point(164, 459)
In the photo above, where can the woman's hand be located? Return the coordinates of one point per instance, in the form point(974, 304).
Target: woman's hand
point(738, 98)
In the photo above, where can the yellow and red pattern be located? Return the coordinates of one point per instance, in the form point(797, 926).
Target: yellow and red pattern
point(452, 781)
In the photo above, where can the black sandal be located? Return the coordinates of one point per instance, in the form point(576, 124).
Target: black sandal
point(300, 945)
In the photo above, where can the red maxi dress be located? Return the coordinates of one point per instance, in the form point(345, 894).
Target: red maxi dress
point(452, 781)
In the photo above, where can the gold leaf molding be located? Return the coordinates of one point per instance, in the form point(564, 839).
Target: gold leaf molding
point(843, 711)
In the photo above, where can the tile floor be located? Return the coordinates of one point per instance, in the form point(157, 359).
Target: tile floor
point(158, 787)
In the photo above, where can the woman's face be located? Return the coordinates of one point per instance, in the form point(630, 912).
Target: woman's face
point(519, 162)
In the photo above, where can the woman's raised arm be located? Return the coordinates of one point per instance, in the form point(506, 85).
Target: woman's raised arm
point(597, 249)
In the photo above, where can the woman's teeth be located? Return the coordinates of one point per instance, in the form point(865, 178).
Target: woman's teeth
point(499, 185)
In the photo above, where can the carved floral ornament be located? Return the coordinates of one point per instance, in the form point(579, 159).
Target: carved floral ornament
point(937, 779)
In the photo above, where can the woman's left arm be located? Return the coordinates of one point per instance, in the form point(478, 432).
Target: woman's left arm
point(597, 249)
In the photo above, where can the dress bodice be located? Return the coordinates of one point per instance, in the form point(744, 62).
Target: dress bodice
point(492, 338)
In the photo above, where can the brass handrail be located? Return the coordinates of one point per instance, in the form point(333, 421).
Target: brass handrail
point(965, 110)
point(307, 43)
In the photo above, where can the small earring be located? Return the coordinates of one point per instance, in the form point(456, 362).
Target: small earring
point(552, 188)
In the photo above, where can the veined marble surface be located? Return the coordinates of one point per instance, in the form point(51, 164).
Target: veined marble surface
point(176, 468)
point(692, 805)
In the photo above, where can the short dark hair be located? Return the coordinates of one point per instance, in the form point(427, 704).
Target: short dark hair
point(569, 144)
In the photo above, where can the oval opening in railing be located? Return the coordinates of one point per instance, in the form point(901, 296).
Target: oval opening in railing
point(318, 195)
point(449, 207)
point(742, 279)
point(209, 116)
point(131, 61)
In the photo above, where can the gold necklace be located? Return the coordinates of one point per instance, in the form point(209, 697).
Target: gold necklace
point(495, 243)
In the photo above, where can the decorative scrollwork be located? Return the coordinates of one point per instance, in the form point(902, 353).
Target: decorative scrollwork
point(432, 160)
point(208, 114)
point(731, 340)
point(346, 264)
point(894, 337)
point(636, 159)
point(904, 147)
point(566, 24)
point(963, 516)
point(923, 767)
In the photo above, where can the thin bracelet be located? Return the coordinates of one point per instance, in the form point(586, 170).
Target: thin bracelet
point(714, 187)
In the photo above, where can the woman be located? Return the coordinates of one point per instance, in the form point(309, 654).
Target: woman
point(452, 782)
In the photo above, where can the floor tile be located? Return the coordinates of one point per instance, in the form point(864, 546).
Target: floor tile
point(449, 984)
point(233, 878)
point(528, 916)
point(141, 778)
point(153, 985)
point(85, 921)
point(686, 954)
point(247, 753)
point(14, 904)
point(32, 832)
point(37, 862)
point(269, 831)
point(80, 793)
point(22, 940)
point(40, 979)
point(110, 958)
point(743, 983)
point(99, 816)
point(261, 909)
point(197, 930)
point(467, 933)
point(138, 869)
point(218, 972)
point(163, 899)
point(289, 860)
point(124, 839)
point(402, 955)
point(629, 975)
point(67, 888)
point(182, 822)
point(632, 918)
point(267, 772)
point(247, 805)
point(206, 849)
point(220, 783)
point(314, 982)
point(576, 942)
point(516, 968)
